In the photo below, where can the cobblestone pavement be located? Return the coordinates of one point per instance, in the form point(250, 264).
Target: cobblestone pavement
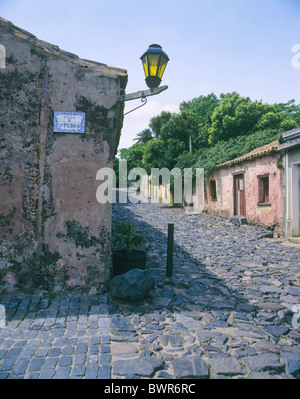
point(227, 312)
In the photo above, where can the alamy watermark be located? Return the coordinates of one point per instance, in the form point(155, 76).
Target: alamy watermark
point(2, 56)
point(2, 316)
point(296, 317)
point(155, 187)
point(296, 58)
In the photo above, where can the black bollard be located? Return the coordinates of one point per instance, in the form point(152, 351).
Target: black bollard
point(170, 250)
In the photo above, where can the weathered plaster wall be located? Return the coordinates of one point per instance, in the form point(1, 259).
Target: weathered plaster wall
point(292, 203)
point(54, 235)
point(270, 216)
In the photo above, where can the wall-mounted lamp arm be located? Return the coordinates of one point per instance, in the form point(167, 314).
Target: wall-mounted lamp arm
point(142, 94)
point(143, 100)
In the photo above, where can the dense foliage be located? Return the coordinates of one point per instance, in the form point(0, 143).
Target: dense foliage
point(208, 131)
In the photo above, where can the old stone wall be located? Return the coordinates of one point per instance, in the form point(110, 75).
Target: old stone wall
point(54, 235)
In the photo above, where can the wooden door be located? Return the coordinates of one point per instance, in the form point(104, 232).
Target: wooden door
point(239, 196)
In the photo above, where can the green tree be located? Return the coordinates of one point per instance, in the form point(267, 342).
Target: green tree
point(187, 160)
point(202, 106)
point(154, 152)
point(291, 111)
point(224, 151)
point(157, 122)
point(236, 115)
point(174, 148)
point(288, 124)
point(133, 155)
point(162, 154)
point(220, 129)
point(270, 120)
point(184, 126)
point(144, 136)
point(177, 128)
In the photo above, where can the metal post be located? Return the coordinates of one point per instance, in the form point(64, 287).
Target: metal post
point(170, 250)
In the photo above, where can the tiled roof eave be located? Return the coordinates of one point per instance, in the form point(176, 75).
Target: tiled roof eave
point(250, 157)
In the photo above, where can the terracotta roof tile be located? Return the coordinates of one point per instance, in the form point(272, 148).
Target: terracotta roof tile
point(256, 153)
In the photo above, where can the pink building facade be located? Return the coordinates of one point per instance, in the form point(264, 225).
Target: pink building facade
point(248, 188)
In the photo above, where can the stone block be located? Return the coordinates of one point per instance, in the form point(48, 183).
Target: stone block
point(190, 367)
point(264, 362)
point(143, 366)
point(238, 220)
point(225, 366)
point(132, 285)
point(292, 363)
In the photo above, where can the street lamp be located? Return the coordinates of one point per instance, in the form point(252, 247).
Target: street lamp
point(154, 63)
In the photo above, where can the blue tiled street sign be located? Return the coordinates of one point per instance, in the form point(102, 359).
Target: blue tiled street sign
point(69, 122)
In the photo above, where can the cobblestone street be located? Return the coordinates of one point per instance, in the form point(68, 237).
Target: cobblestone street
point(227, 312)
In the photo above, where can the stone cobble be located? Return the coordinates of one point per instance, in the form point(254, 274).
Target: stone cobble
point(227, 311)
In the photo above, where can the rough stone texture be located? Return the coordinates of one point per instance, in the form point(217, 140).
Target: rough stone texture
point(121, 324)
point(225, 366)
point(292, 363)
point(189, 323)
point(277, 331)
point(123, 350)
point(132, 285)
point(97, 331)
point(143, 366)
point(264, 362)
point(190, 367)
point(54, 233)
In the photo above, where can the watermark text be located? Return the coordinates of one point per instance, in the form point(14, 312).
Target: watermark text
point(2, 316)
point(156, 187)
point(296, 57)
point(2, 56)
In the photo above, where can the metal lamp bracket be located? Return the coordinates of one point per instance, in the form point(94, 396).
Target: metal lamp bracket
point(142, 95)
point(143, 100)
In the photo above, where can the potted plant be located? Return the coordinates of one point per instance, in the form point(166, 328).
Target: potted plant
point(128, 257)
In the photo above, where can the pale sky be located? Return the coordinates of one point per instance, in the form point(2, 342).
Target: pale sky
point(215, 46)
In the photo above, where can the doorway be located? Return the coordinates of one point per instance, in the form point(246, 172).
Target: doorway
point(295, 200)
point(239, 195)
